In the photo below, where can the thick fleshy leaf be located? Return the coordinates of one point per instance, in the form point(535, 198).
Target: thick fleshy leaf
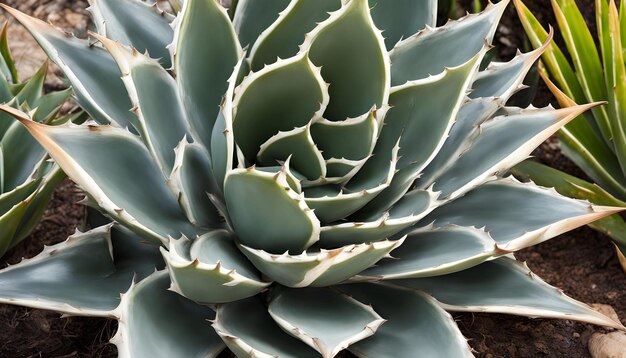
point(401, 19)
point(518, 215)
point(95, 77)
point(430, 51)
point(12, 197)
point(349, 34)
point(155, 322)
point(412, 208)
point(613, 226)
point(22, 155)
point(10, 222)
point(298, 145)
point(37, 205)
point(415, 324)
point(280, 97)
point(289, 226)
point(432, 252)
point(214, 260)
point(204, 63)
point(192, 180)
point(7, 64)
point(253, 16)
point(339, 320)
point(505, 286)
point(503, 142)
point(117, 171)
point(222, 147)
point(79, 276)
point(136, 23)
point(282, 38)
point(463, 133)
point(503, 79)
point(424, 106)
point(323, 268)
point(333, 206)
point(248, 330)
point(351, 139)
point(155, 98)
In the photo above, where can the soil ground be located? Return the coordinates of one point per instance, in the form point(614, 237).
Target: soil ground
point(581, 262)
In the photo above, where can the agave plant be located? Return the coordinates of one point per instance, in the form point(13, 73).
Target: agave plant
point(328, 189)
point(595, 142)
point(27, 177)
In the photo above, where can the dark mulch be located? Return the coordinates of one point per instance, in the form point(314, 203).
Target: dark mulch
point(581, 262)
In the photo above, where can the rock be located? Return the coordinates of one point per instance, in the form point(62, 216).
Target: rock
point(606, 310)
point(609, 345)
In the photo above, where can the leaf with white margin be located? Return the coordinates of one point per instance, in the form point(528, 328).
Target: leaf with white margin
point(337, 206)
point(518, 215)
point(249, 331)
point(504, 141)
point(280, 97)
point(92, 72)
point(323, 268)
point(339, 320)
point(408, 211)
point(222, 140)
point(253, 16)
point(116, 169)
point(430, 51)
point(154, 95)
point(283, 37)
point(340, 171)
point(415, 324)
point(80, 276)
point(290, 225)
point(203, 63)
point(432, 251)
point(352, 139)
point(463, 133)
point(133, 22)
point(155, 322)
point(505, 286)
point(214, 261)
point(355, 85)
point(192, 180)
point(401, 19)
point(503, 79)
point(298, 145)
point(423, 106)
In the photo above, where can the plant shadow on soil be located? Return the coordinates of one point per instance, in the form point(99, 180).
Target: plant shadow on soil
point(581, 262)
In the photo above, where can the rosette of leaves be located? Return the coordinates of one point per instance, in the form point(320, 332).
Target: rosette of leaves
point(27, 176)
point(595, 142)
point(336, 186)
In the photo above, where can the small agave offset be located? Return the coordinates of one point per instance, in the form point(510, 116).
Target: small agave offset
point(27, 177)
point(306, 177)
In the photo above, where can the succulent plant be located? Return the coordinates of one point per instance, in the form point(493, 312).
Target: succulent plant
point(27, 176)
point(330, 188)
point(595, 142)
